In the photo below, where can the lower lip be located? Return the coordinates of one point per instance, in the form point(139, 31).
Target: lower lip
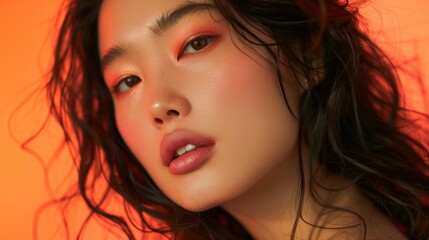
point(190, 161)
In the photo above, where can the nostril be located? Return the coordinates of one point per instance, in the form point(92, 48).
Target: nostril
point(172, 113)
point(159, 121)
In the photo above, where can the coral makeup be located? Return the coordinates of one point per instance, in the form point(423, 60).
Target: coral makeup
point(183, 151)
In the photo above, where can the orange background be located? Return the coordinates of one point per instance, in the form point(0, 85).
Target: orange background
point(26, 38)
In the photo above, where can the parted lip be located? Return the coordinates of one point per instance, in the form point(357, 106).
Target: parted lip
point(179, 138)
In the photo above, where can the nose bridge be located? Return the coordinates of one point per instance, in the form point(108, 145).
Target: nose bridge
point(166, 102)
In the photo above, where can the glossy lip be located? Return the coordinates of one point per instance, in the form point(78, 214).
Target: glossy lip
point(188, 161)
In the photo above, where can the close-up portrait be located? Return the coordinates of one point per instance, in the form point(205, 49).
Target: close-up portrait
point(216, 119)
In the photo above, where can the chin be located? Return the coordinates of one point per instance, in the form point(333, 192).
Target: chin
point(200, 200)
point(197, 206)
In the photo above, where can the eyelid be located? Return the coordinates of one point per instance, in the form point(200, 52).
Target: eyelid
point(213, 38)
point(115, 89)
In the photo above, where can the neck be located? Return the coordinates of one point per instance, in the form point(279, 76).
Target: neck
point(270, 209)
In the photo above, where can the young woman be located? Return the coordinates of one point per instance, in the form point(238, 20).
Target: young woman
point(256, 119)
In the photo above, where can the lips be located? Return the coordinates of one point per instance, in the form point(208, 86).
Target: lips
point(189, 160)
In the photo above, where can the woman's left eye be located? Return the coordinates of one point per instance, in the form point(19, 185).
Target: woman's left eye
point(196, 45)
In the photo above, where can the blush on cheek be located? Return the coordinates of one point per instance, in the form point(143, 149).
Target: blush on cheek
point(127, 132)
point(129, 129)
point(245, 77)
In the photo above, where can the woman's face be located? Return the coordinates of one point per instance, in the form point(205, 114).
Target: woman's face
point(202, 112)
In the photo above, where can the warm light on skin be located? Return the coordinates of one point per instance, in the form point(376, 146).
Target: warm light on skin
point(27, 30)
point(226, 92)
point(220, 92)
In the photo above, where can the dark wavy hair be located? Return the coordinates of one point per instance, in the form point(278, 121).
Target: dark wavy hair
point(351, 117)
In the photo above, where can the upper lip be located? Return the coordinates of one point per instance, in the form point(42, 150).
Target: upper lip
point(179, 138)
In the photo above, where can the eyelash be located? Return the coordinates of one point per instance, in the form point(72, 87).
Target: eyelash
point(209, 40)
point(132, 79)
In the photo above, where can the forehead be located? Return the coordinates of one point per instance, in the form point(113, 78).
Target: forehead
point(126, 20)
point(119, 20)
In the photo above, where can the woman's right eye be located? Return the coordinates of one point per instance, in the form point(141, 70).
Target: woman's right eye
point(126, 84)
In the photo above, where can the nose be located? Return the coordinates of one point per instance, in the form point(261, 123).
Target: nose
point(168, 108)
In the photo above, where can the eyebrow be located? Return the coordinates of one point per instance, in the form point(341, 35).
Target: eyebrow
point(171, 18)
point(161, 25)
point(112, 54)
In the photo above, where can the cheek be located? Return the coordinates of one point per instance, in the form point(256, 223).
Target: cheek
point(256, 131)
point(256, 127)
point(247, 92)
point(142, 140)
point(135, 129)
point(127, 117)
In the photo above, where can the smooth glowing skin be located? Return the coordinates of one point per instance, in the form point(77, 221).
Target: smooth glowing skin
point(219, 92)
point(225, 92)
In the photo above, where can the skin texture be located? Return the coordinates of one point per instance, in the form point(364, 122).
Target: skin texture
point(224, 91)
point(235, 106)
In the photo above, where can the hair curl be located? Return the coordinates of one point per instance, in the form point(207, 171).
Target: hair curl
point(351, 116)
